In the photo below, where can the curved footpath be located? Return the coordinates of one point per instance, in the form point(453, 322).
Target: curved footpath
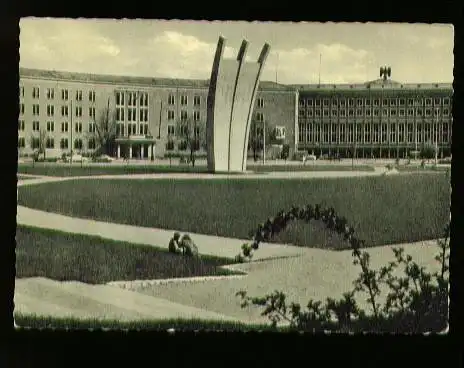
point(325, 273)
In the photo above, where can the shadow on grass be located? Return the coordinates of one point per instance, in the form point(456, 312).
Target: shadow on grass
point(71, 257)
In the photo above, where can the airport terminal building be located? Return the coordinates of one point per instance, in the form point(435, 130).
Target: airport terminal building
point(381, 118)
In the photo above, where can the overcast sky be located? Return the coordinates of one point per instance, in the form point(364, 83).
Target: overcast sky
point(351, 52)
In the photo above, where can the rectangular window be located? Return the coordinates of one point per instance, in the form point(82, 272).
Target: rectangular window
point(410, 112)
point(302, 103)
point(383, 130)
point(92, 96)
point(400, 133)
point(120, 114)
point(342, 133)
point(368, 112)
point(119, 98)
point(418, 102)
point(50, 93)
point(419, 112)
point(445, 112)
point(393, 112)
point(410, 133)
point(260, 117)
point(385, 102)
point(384, 113)
point(342, 113)
point(92, 143)
point(171, 130)
point(376, 102)
point(334, 112)
point(78, 127)
point(367, 133)
point(21, 109)
point(318, 113)
point(35, 92)
point(50, 126)
point(310, 113)
point(183, 100)
point(92, 112)
point(359, 112)
point(342, 102)
point(375, 133)
point(325, 113)
point(301, 113)
point(132, 114)
point(21, 142)
point(402, 102)
point(64, 94)
point(171, 99)
point(35, 126)
point(446, 101)
point(64, 110)
point(317, 102)
point(50, 110)
point(35, 110)
point(21, 125)
point(410, 101)
point(376, 112)
point(50, 143)
point(64, 143)
point(132, 99)
point(183, 115)
point(436, 111)
point(78, 95)
point(428, 102)
point(21, 91)
point(170, 115)
point(367, 102)
point(143, 100)
point(64, 127)
point(351, 102)
point(359, 102)
point(350, 112)
point(325, 102)
point(196, 115)
point(334, 102)
point(78, 144)
point(428, 112)
point(260, 103)
point(78, 111)
point(392, 101)
point(401, 113)
point(196, 100)
point(143, 114)
point(92, 128)
point(437, 101)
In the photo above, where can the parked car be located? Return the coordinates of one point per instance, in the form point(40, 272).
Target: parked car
point(103, 158)
point(76, 158)
point(311, 158)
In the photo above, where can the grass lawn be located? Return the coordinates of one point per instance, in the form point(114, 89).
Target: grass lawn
point(34, 321)
point(69, 257)
point(21, 177)
point(383, 209)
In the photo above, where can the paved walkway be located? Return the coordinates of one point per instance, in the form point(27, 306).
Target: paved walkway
point(325, 273)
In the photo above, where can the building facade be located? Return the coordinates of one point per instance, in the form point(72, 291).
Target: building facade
point(381, 118)
point(149, 114)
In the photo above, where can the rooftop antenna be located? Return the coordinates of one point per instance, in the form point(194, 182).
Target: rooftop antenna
point(320, 59)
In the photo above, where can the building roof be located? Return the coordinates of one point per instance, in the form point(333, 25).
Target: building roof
point(376, 84)
point(204, 83)
point(130, 80)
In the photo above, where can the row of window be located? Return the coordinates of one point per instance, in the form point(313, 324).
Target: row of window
point(183, 115)
point(373, 133)
point(50, 94)
point(51, 110)
point(351, 102)
point(132, 128)
point(374, 112)
point(50, 143)
point(131, 98)
point(50, 127)
point(131, 113)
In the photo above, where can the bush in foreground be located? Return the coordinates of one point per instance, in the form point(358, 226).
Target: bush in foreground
point(415, 303)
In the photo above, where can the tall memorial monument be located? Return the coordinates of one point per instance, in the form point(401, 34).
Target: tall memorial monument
point(231, 98)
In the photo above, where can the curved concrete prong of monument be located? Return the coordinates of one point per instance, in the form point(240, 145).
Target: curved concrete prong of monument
point(232, 92)
point(261, 62)
point(210, 131)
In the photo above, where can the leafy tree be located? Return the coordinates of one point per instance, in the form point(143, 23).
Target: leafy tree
point(105, 132)
point(428, 150)
point(192, 135)
point(39, 142)
point(256, 138)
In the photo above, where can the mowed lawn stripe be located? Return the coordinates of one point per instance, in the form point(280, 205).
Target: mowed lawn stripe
point(383, 210)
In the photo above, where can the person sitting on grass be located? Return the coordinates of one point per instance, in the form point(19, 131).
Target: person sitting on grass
point(188, 246)
point(174, 246)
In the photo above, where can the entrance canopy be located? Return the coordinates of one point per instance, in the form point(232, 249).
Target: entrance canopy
point(140, 143)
